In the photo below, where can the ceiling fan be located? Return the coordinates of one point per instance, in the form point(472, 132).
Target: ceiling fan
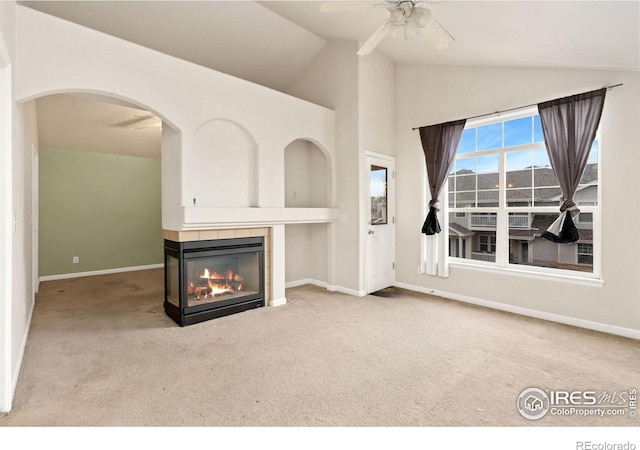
point(406, 18)
point(140, 122)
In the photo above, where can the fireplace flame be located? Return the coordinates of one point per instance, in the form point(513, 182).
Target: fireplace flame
point(217, 284)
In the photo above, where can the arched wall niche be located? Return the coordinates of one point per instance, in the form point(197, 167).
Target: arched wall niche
point(307, 168)
point(224, 169)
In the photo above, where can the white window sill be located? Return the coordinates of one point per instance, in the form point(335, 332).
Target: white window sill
point(573, 279)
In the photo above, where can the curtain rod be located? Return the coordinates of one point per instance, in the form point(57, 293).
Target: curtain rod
point(513, 109)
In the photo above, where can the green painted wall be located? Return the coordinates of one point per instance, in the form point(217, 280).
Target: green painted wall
point(103, 208)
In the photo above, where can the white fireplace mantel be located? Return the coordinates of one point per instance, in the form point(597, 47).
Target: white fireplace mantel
point(202, 217)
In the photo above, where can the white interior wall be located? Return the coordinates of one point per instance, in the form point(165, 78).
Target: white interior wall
point(319, 252)
point(433, 94)
point(376, 87)
point(361, 91)
point(297, 252)
point(25, 139)
point(226, 173)
point(59, 56)
point(306, 176)
point(7, 113)
point(307, 252)
point(331, 80)
point(306, 245)
point(319, 176)
point(297, 168)
point(171, 190)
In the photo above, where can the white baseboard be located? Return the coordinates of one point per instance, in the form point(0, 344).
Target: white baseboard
point(566, 320)
point(347, 291)
point(64, 276)
point(324, 285)
point(292, 284)
point(278, 302)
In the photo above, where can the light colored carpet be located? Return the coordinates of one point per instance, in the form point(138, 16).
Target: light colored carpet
point(102, 352)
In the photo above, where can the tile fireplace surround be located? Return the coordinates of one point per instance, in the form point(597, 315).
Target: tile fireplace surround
point(231, 233)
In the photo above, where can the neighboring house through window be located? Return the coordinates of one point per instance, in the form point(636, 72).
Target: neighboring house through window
point(503, 193)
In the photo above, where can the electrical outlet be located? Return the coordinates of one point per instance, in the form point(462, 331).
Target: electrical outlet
point(420, 271)
point(295, 194)
point(76, 259)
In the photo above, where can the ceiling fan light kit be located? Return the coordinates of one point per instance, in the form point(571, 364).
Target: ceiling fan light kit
point(406, 18)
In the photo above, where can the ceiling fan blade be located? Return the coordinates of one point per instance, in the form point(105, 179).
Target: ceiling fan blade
point(437, 35)
point(374, 39)
point(136, 120)
point(340, 6)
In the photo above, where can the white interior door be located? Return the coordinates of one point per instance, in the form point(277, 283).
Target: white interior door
point(380, 229)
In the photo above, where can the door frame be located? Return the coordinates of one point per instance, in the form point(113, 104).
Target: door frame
point(391, 208)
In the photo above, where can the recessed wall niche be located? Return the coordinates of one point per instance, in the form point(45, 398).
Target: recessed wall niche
point(306, 176)
point(225, 170)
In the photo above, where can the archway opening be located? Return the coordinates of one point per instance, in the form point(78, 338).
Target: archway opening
point(97, 186)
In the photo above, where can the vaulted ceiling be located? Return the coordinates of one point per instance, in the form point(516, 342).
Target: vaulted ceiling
point(272, 42)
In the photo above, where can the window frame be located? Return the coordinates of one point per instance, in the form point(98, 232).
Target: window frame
point(502, 211)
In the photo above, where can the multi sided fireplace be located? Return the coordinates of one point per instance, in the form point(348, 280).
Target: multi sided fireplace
point(214, 278)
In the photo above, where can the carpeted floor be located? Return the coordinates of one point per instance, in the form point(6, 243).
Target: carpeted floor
point(102, 352)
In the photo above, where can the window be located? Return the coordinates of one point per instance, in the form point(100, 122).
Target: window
point(487, 244)
point(585, 254)
point(503, 193)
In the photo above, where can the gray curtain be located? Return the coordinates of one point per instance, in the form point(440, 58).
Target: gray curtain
point(439, 143)
point(569, 126)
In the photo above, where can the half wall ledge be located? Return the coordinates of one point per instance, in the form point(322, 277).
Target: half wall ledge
point(200, 218)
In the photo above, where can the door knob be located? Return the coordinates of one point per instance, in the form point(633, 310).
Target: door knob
point(371, 231)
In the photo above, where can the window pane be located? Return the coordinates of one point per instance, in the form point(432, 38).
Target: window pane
point(488, 199)
point(488, 164)
point(451, 200)
point(518, 131)
point(593, 155)
point(590, 174)
point(487, 181)
point(378, 191)
point(465, 166)
point(519, 197)
point(490, 136)
point(537, 129)
point(465, 199)
point(467, 141)
point(543, 176)
point(466, 182)
point(472, 236)
point(541, 158)
point(519, 160)
point(584, 217)
point(526, 247)
point(519, 172)
point(547, 197)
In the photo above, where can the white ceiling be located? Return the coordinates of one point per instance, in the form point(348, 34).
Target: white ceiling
point(272, 43)
point(88, 122)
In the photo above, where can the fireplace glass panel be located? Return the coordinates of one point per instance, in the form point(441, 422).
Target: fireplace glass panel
point(222, 277)
point(173, 279)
